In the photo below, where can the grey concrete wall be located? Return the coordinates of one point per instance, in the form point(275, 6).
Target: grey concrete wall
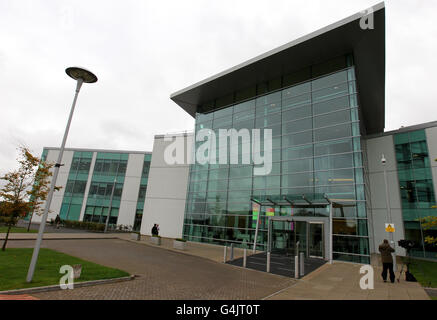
point(131, 187)
point(377, 206)
point(55, 206)
point(166, 191)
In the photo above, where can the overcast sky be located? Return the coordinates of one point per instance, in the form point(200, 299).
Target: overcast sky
point(142, 51)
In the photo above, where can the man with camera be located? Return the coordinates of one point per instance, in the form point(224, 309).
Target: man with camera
point(387, 260)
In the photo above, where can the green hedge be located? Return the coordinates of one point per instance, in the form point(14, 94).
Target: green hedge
point(84, 225)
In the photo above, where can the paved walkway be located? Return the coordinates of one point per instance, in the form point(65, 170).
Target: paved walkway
point(340, 281)
point(17, 297)
point(60, 236)
point(175, 274)
point(162, 274)
point(204, 250)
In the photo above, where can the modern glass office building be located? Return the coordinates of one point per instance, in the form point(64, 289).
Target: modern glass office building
point(95, 183)
point(328, 194)
point(317, 153)
point(416, 189)
point(319, 95)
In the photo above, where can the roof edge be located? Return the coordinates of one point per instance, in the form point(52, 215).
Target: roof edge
point(290, 44)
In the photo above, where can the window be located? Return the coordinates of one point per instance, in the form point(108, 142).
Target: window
point(142, 193)
point(297, 113)
point(297, 165)
point(330, 119)
point(328, 81)
point(334, 132)
point(297, 126)
point(331, 105)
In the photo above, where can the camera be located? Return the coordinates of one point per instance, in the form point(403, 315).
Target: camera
point(406, 244)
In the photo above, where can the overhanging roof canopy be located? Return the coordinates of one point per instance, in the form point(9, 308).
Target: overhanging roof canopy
point(343, 37)
point(310, 200)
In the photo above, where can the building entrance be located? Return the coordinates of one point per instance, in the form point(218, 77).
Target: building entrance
point(306, 228)
point(291, 237)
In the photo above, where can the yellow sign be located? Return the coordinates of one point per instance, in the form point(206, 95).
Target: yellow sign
point(389, 227)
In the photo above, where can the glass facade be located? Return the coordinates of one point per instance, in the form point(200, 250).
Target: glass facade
point(75, 187)
point(142, 192)
point(416, 189)
point(316, 151)
point(109, 168)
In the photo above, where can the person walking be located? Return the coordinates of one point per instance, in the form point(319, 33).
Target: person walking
point(387, 260)
point(57, 221)
point(155, 230)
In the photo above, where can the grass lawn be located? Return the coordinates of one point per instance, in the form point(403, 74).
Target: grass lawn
point(14, 263)
point(425, 272)
point(4, 229)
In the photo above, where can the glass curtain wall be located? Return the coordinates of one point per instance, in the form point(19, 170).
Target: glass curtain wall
point(75, 187)
point(316, 149)
point(416, 188)
point(142, 192)
point(109, 168)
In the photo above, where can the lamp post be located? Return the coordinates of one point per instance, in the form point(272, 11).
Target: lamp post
point(80, 75)
point(389, 219)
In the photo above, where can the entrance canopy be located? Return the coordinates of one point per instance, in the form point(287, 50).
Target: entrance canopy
point(308, 200)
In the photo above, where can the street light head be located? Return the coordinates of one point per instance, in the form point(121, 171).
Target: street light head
point(81, 73)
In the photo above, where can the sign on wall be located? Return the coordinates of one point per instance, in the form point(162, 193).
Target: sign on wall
point(390, 227)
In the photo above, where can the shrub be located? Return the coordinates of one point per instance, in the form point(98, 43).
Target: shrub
point(84, 225)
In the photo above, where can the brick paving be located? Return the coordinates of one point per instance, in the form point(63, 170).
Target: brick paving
point(162, 274)
point(17, 297)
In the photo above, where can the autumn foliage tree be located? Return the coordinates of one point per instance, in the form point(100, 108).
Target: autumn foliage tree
point(430, 223)
point(15, 194)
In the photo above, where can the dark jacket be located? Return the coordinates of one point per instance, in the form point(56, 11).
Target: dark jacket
point(154, 231)
point(386, 251)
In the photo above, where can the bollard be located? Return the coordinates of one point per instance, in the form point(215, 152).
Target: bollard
point(244, 258)
point(302, 264)
point(232, 252)
point(296, 267)
point(225, 253)
point(268, 261)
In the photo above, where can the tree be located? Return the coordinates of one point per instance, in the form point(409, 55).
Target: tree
point(16, 192)
point(429, 223)
point(40, 189)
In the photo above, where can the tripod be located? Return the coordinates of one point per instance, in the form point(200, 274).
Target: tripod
point(403, 264)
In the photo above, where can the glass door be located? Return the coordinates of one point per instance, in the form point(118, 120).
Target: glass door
point(282, 237)
point(300, 241)
point(315, 241)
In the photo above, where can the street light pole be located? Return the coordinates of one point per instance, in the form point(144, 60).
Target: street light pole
point(389, 218)
point(110, 205)
point(81, 76)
